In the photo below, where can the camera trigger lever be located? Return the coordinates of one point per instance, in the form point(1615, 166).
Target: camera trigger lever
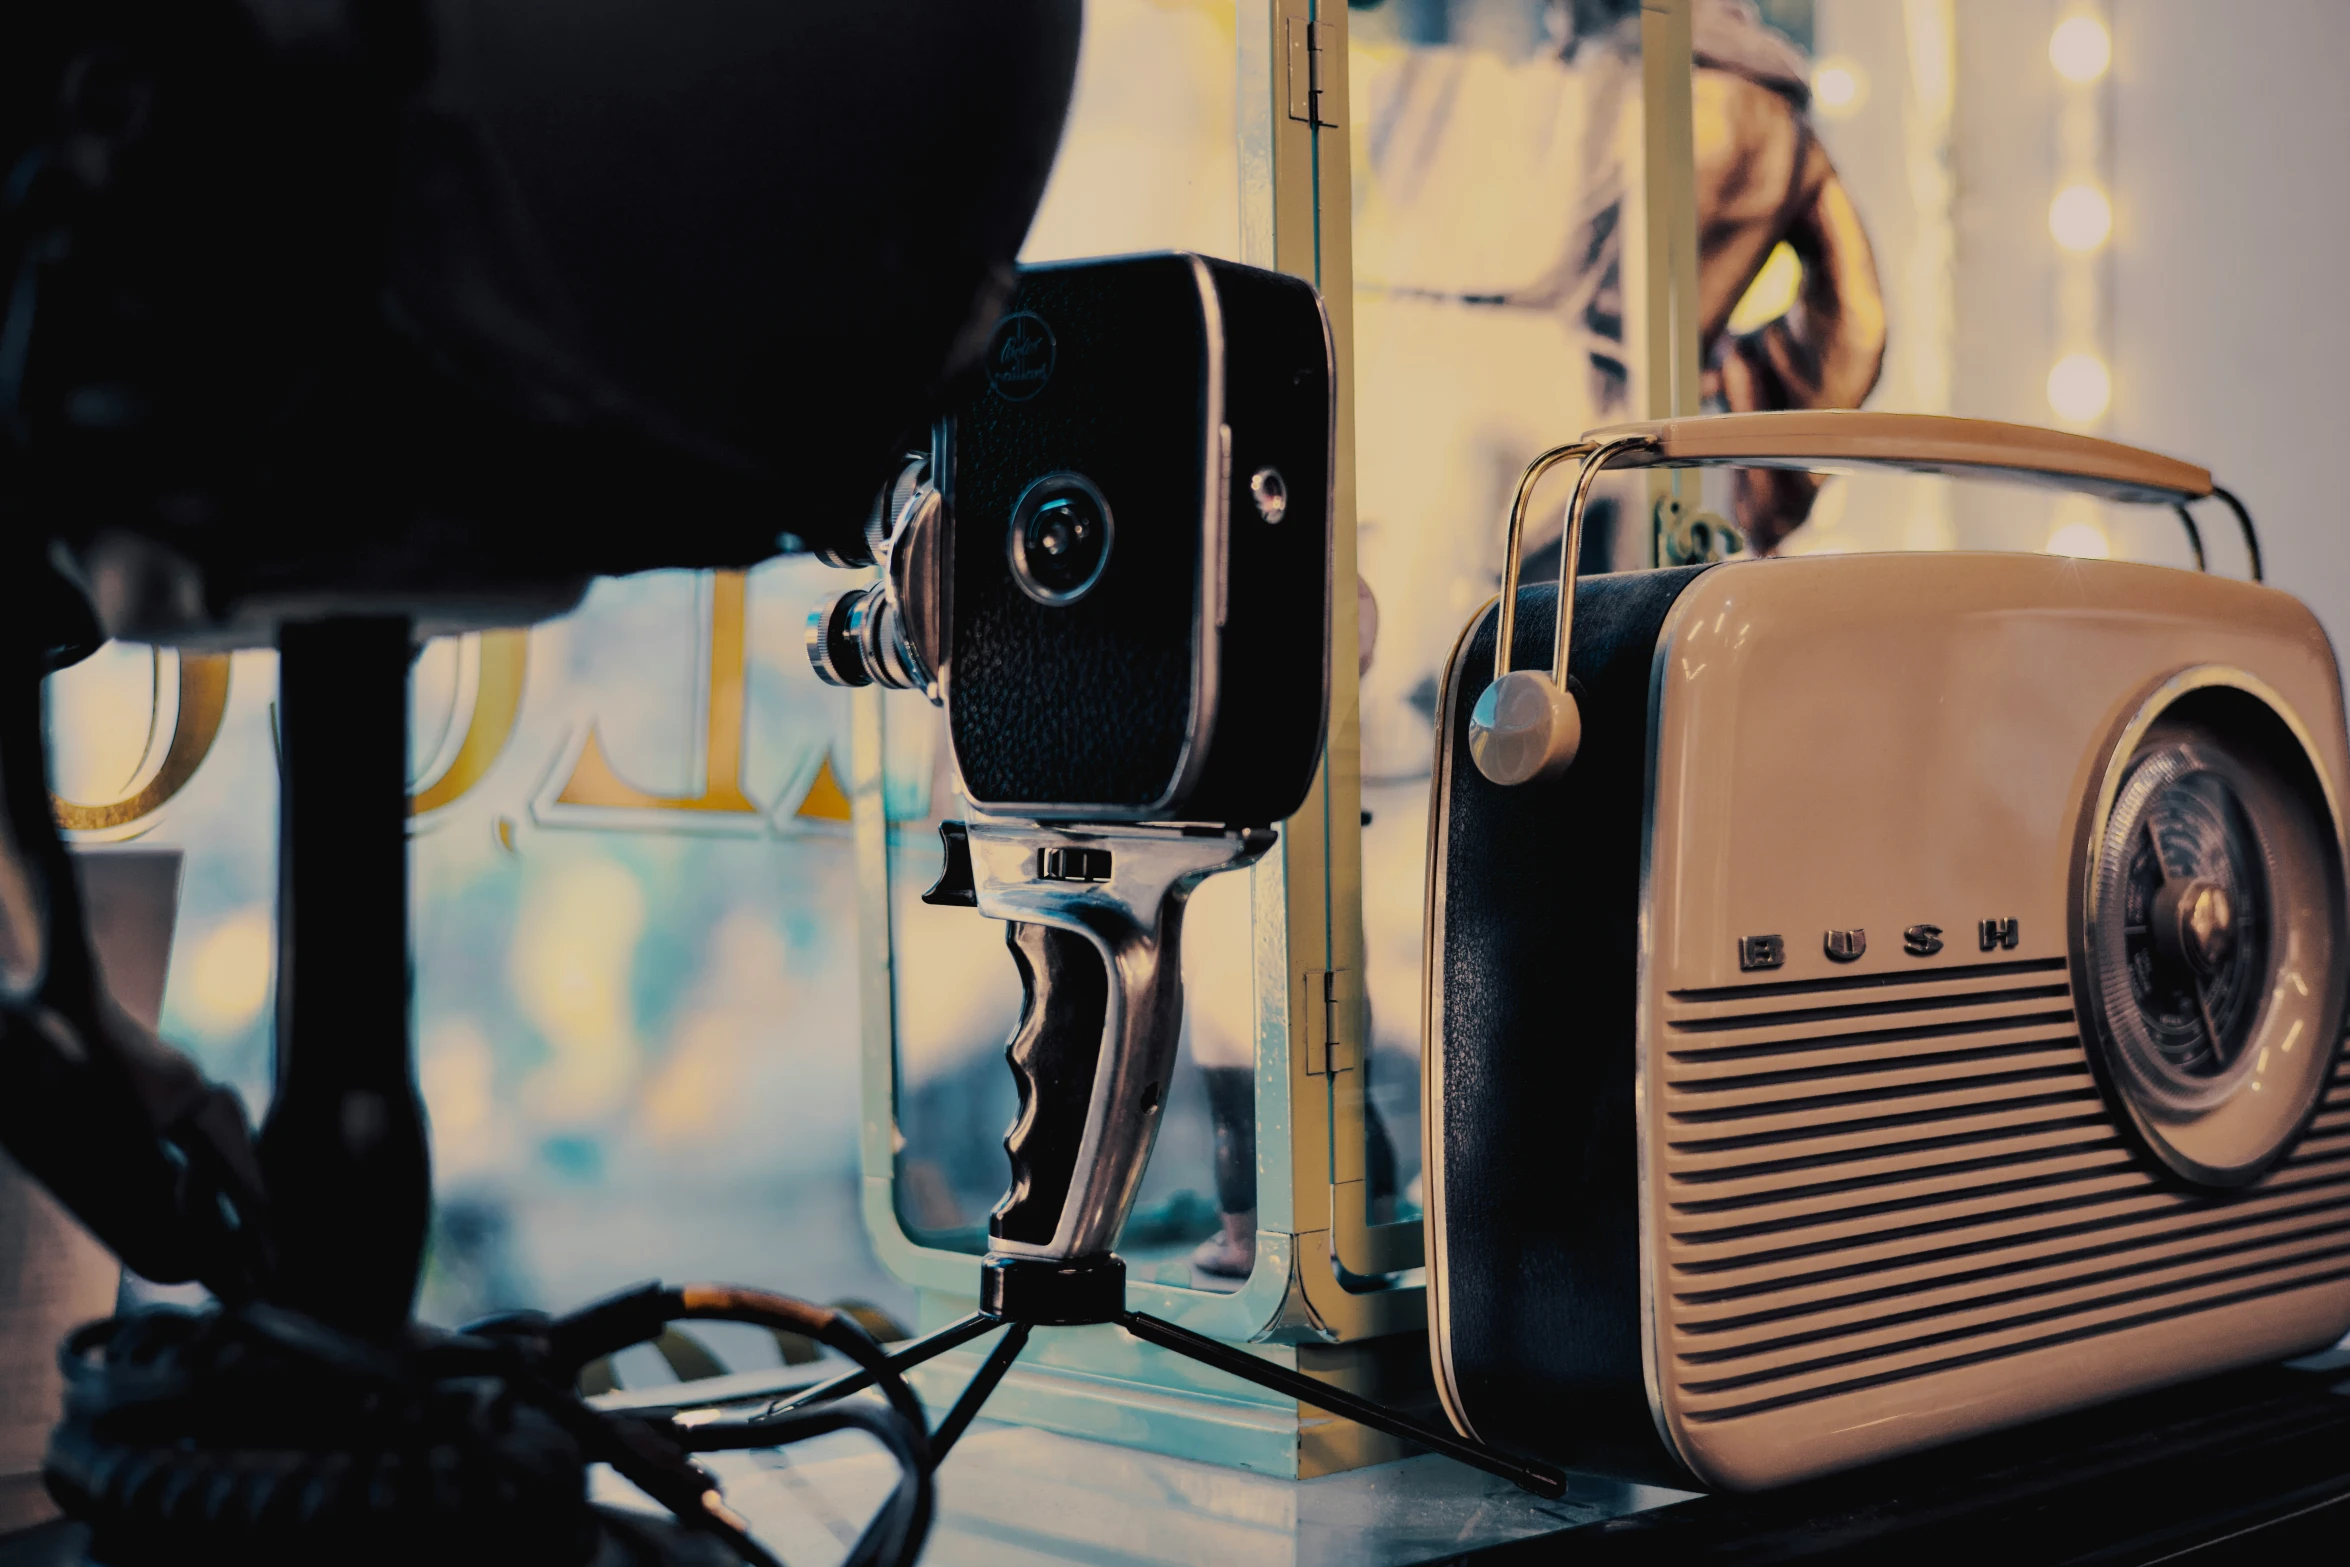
point(1096, 916)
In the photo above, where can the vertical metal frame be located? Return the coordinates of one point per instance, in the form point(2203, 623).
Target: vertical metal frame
point(1669, 189)
point(1313, 896)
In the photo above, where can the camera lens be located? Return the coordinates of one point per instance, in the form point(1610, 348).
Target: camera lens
point(1060, 538)
point(832, 641)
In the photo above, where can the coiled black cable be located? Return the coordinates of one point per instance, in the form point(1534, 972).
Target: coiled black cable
point(259, 1435)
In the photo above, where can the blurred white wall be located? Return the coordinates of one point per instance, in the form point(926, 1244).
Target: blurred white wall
point(2223, 136)
point(2232, 254)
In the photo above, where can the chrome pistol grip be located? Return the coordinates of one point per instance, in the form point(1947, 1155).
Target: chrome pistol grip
point(1097, 916)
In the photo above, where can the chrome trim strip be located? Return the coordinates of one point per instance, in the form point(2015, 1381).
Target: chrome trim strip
point(1448, 1391)
point(1208, 587)
point(1330, 518)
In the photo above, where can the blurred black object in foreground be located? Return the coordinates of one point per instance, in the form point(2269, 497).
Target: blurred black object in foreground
point(329, 324)
point(441, 306)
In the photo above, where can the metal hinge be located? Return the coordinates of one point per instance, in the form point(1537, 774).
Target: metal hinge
point(1328, 1051)
point(1310, 45)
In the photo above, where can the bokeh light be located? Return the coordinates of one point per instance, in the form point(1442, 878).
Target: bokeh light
point(2079, 529)
point(1839, 87)
point(2080, 388)
point(2084, 539)
point(2080, 49)
point(2080, 218)
point(229, 973)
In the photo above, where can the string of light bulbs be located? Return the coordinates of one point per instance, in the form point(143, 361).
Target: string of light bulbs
point(2080, 222)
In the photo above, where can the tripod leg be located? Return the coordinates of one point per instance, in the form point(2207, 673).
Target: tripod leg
point(949, 1337)
point(1541, 1479)
point(983, 1382)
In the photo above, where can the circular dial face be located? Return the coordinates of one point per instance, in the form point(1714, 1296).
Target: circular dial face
point(2212, 939)
point(2193, 920)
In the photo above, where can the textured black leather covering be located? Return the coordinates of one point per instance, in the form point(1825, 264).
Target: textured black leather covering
point(1087, 706)
point(1085, 701)
point(1538, 938)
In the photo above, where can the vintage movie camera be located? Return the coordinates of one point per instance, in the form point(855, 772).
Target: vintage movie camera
point(1873, 1000)
point(1113, 570)
point(1113, 565)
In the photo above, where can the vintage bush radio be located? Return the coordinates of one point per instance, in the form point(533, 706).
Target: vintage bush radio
point(1877, 999)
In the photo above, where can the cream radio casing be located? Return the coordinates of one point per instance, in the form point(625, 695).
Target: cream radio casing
point(1914, 1009)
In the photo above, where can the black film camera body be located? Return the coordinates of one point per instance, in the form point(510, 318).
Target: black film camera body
point(1113, 570)
point(1114, 566)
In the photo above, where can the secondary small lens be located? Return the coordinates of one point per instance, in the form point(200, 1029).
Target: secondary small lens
point(1060, 539)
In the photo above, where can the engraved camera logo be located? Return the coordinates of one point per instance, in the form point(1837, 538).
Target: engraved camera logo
point(1020, 356)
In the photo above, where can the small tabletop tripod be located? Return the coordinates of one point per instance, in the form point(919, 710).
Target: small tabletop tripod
point(1096, 918)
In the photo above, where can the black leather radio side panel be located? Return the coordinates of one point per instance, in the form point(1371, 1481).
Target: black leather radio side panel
point(1539, 933)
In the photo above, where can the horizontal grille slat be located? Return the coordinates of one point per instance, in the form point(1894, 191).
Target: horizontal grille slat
point(1999, 1110)
point(2103, 1148)
point(1688, 1170)
point(2103, 1172)
point(1976, 1086)
point(1885, 1177)
point(2022, 1346)
point(2297, 1258)
point(1929, 1284)
point(2129, 1196)
point(2333, 1226)
point(1692, 1060)
point(1956, 1063)
point(2336, 1192)
point(1855, 1011)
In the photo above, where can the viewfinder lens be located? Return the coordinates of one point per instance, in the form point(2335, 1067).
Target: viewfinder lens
point(1060, 539)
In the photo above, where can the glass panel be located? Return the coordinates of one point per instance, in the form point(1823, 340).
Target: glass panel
point(1149, 161)
point(1497, 216)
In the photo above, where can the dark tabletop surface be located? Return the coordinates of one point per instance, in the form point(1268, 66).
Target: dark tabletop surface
point(2248, 1468)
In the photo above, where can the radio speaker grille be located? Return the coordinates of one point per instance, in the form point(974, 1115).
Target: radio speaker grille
point(1875, 1180)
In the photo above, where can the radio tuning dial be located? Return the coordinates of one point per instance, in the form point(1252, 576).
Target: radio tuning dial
point(2214, 919)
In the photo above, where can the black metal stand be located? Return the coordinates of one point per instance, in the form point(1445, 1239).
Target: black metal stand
point(343, 1149)
point(1018, 1294)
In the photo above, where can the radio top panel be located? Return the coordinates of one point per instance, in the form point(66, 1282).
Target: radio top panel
point(1920, 443)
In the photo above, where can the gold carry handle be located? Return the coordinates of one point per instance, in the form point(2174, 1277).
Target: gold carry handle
point(1525, 724)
